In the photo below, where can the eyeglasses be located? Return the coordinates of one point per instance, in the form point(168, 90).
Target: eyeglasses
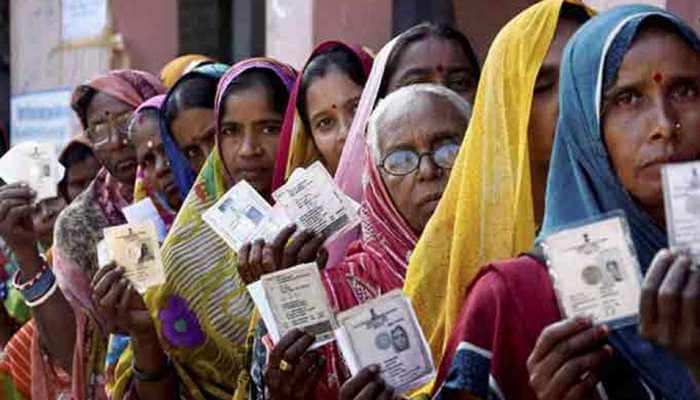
point(101, 133)
point(404, 162)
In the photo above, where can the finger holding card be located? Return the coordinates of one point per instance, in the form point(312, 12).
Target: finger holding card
point(670, 306)
point(595, 272)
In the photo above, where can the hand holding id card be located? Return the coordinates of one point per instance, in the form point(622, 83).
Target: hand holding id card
point(595, 271)
point(312, 199)
point(681, 186)
point(385, 331)
point(135, 248)
point(35, 164)
point(294, 298)
point(242, 215)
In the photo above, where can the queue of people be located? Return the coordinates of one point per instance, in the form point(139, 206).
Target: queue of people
point(461, 172)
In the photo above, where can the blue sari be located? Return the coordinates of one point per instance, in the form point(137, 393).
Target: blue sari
point(184, 174)
point(582, 183)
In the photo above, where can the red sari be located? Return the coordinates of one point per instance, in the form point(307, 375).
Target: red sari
point(513, 301)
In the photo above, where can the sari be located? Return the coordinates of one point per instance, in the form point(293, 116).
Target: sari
point(143, 188)
point(581, 185)
point(348, 176)
point(487, 211)
point(375, 264)
point(296, 147)
point(180, 166)
point(77, 231)
point(202, 312)
point(178, 67)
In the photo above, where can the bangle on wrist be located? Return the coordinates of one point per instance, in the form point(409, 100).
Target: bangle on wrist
point(24, 285)
point(44, 297)
point(156, 376)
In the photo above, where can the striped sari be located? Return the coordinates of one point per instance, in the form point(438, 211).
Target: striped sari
point(202, 312)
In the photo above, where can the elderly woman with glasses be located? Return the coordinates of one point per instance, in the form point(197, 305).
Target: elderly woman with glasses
point(69, 342)
point(414, 136)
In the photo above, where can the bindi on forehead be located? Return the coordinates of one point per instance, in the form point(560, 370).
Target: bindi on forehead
point(440, 68)
point(657, 77)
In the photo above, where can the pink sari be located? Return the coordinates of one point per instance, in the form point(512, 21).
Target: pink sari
point(374, 264)
point(349, 176)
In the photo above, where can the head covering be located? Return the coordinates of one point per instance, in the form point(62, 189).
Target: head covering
point(203, 310)
point(178, 67)
point(184, 174)
point(296, 147)
point(78, 229)
point(348, 176)
point(487, 210)
point(583, 184)
point(143, 188)
point(128, 85)
point(375, 264)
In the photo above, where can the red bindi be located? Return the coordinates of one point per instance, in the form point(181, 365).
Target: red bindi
point(440, 68)
point(657, 77)
point(334, 106)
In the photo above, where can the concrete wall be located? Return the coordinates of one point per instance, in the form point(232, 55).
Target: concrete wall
point(481, 20)
point(289, 30)
point(293, 28)
point(361, 22)
point(150, 31)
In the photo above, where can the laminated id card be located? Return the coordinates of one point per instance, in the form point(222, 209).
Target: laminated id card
point(681, 186)
point(595, 271)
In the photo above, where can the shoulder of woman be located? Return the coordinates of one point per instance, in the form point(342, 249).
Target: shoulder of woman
point(79, 226)
point(504, 281)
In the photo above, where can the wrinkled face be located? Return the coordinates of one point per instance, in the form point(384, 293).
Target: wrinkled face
point(651, 115)
point(331, 104)
point(545, 101)
point(44, 217)
point(150, 153)
point(194, 130)
point(117, 154)
point(250, 128)
point(431, 124)
point(79, 175)
point(435, 60)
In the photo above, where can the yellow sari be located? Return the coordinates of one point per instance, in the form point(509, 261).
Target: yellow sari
point(486, 212)
point(178, 67)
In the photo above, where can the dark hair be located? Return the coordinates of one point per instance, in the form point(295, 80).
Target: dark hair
point(80, 101)
point(574, 12)
point(76, 153)
point(338, 57)
point(194, 91)
point(418, 33)
point(277, 92)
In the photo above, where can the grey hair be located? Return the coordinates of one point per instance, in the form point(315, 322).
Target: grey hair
point(403, 99)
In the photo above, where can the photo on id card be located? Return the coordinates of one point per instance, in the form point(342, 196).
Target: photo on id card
point(681, 187)
point(595, 271)
point(239, 215)
point(385, 331)
point(135, 248)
